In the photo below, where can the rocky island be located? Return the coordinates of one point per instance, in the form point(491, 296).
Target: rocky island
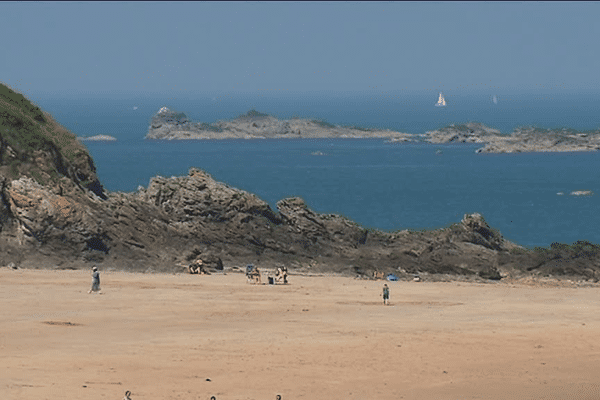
point(56, 214)
point(170, 125)
point(521, 140)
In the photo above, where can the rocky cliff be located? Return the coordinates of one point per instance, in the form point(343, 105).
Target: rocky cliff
point(171, 125)
point(54, 213)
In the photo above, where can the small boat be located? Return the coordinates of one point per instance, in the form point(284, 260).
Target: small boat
point(495, 99)
point(441, 101)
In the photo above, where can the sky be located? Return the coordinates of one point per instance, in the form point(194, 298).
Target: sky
point(92, 49)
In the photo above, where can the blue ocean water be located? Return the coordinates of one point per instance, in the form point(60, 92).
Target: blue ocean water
point(410, 113)
point(389, 186)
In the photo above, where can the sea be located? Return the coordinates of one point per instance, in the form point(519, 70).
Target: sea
point(380, 185)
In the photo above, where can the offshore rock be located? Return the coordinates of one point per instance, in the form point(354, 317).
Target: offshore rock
point(98, 138)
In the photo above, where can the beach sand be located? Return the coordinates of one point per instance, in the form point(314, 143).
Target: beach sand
point(191, 337)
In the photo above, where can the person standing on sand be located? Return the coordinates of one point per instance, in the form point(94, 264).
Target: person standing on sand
point(386, 294)
point(95, 280)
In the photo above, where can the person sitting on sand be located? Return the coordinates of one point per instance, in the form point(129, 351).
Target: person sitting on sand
point(279, 275)
point(197, 267)
point(386, 294)
point(192, 268)
point(284, 273)
point(95, 280)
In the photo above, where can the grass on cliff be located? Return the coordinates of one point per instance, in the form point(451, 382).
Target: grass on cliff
point(580, 248)
point(27, 131)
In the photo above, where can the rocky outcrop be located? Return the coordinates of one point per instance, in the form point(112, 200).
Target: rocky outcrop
point(175, 220)
point(525, 139)
point(170, 125)
point(472, 132)
point(543, 140)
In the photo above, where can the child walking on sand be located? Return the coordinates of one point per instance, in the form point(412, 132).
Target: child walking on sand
point(95, 280)
point(386, 294)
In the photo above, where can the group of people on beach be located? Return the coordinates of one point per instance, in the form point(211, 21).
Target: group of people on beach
point(253, 275)
point(280, 276)
point(197, 267)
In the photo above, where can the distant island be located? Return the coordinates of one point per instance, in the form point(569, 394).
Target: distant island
point(170, 125)
point(521, 140)
point(98, 138)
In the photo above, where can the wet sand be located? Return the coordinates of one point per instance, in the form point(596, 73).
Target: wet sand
point(192, 337)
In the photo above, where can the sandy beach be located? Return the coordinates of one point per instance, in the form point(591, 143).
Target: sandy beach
point(191, 337)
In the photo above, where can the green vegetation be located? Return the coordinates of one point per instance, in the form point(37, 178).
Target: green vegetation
point(11, 98)
point(580, 248)
point(25, 129)
point(34, 145)
point(254, 113)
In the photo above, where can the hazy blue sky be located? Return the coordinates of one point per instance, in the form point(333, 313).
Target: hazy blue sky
point(142, 48)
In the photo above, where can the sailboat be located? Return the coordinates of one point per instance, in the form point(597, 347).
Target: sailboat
point(441, 101)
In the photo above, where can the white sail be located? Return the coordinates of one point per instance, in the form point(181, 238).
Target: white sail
point(441, 101)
